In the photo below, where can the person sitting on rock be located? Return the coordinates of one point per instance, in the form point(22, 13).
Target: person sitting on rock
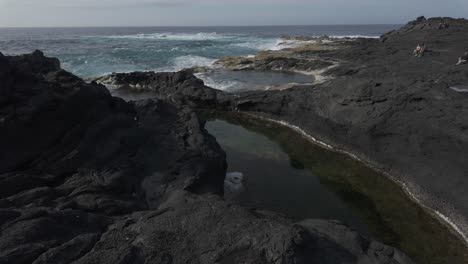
point(420, 49)
point(417, 50)
point(463, 59)
point(423, 50)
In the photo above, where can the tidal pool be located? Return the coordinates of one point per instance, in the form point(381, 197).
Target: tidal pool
point(238, 81)
point(286, 173)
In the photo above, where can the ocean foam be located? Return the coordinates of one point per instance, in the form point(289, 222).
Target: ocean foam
point(354, 36)
point(189, 61)
point(259, 43)
point(223, 85)
point(175, 36)
point(279, 43)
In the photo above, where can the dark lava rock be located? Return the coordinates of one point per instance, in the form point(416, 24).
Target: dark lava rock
point(274, 61)
point(182, 87)
point(289, 64)
point(392, 109)
point(220, 233)
point(89, 178)
point(93, 148)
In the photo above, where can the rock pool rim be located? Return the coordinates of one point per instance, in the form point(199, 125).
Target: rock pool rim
point(452, 227)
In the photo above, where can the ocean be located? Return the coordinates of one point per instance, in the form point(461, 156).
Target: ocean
point(92, 52)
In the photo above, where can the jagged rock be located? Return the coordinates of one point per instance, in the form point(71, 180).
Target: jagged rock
point(392, 109)
point(182, 87)
point(89, 178)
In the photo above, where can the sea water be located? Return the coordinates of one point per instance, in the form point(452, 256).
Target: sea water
point(92, 52)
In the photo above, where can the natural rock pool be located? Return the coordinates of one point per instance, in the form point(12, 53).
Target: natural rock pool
point(238, 81)
point(285, 172)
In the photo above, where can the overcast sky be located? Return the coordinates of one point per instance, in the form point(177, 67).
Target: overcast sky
point(26, 13)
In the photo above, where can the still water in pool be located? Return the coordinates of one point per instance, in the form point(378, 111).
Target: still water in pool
point(273, 181)
point(284, 172)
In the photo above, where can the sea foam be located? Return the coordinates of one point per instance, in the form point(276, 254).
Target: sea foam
point(174, 36)
point(189, 61)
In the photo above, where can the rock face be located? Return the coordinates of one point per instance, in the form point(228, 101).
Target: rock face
point(285, 60)
point(89, 178)
point(296, 58)
point(393, 109)
point(276, 62)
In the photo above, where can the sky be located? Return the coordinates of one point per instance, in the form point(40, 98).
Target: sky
point(54, 13)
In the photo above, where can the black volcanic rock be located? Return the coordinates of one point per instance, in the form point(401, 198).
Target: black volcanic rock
point(182, 87)
point(220, 233)
point(392, 109)
point(71, 150)
point(58, 130)
point(89, 178)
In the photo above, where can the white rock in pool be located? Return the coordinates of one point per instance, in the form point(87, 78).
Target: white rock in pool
point(234, 182)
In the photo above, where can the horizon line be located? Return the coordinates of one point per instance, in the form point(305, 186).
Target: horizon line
point(181, 26)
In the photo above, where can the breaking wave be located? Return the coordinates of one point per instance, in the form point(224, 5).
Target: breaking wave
point(175, 36)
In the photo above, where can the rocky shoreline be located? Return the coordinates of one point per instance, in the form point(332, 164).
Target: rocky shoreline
point(395, 111)
point(390, 109)
point(377, 83)
point(89, 178)
point(302, 57)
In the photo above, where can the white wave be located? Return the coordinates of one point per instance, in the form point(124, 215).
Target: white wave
point(175, 36)
point(354, 36)
point(284, 44)
point(186, 62)
point(117, 49)
point(279, 44)
point(259, 44)
point(223, 85)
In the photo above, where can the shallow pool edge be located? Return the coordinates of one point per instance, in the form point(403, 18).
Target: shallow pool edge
point(442, 218)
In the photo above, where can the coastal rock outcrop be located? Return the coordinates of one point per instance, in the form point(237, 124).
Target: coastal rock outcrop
point(400, 113)
point(293, 59)
point(182, 87)
point(394, 110)
point(89, 178)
